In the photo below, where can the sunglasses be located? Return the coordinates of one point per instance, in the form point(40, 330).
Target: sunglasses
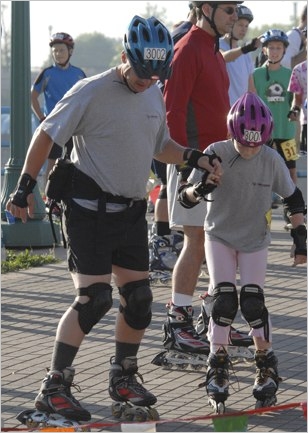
point(229, 10)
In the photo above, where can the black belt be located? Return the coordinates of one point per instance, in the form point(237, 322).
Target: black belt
point(117, 199)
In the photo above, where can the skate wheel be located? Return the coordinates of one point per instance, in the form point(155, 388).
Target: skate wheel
point(140, 415)
point(31, 424)
point(220, 408)
point(153, 414)
point(117, 409)
point(196, 367)
point(128, 414)
point(259, 404)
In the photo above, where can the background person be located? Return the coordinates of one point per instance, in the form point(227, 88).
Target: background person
point(197, 104)
point(53, 82)
point(298, 86)
point(165, 244)
point(239, 62)
point(271, 82)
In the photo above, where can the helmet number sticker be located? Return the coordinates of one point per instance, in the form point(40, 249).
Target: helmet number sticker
point(252, 136)
point(154, 54)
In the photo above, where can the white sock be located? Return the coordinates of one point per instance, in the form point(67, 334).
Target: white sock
point(181, 300)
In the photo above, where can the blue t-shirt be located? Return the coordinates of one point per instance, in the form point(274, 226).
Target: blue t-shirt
point(54, 82)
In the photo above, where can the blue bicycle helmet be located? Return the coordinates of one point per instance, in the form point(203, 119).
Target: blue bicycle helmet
point(274, 35)
point(148, 46)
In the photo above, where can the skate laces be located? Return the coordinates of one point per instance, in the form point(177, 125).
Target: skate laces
point(265, 368)
point(220, 371)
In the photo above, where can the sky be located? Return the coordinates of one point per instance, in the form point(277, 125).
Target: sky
point(112, 18)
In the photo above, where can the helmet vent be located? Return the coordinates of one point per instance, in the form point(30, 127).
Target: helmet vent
point(146, 35)
point(253, 112)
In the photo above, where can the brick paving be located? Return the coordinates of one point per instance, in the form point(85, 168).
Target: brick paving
point(34, 300)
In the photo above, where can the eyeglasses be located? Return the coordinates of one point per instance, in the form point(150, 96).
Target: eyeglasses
point(229, 10)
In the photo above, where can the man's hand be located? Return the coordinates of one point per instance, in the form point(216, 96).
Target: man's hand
point(21, 201)
point(22, 212)
point(212, 164)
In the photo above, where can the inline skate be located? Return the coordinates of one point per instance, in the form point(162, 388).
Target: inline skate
point(164, 251)
point(267, 379)
point(132, 401)
point(240, 341)
point(217, 380)
point(184, 348)
point(55, 405)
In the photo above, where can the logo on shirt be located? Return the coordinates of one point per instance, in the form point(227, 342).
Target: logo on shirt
point(275, 93)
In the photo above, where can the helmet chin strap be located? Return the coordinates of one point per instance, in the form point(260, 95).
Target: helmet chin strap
point(214, 27)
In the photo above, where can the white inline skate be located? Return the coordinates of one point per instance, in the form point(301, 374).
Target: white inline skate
point(217, 380)
point(132, 401)
point(184, 348)
point(267, 379)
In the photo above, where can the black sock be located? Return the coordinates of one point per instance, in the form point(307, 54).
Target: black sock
point(124, 350)
point(162, 228)
point(63, 355)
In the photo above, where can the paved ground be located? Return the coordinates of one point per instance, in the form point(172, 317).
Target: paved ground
point(34, 300)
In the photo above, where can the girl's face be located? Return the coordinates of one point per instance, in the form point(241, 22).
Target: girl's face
point(246, 152)
point(274, 51)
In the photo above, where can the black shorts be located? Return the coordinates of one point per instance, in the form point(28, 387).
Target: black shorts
point(57, 151)
point(95, 243)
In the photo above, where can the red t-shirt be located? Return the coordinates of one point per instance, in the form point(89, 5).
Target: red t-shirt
point(196, 95)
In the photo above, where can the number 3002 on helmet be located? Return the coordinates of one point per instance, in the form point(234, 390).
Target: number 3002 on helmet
point(148, 46)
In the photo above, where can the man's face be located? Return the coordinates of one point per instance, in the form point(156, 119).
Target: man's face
point(225, 17)
point(135, 83)
point(240, 28)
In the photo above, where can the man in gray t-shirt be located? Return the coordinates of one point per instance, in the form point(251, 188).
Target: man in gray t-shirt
point(118, 123)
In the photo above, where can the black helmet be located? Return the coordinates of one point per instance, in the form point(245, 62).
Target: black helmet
point(149, 48)
point(245, 13)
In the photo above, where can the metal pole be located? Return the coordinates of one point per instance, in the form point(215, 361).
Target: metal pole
point(36, 232)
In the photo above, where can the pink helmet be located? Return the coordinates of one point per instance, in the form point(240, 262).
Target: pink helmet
point(250, 121)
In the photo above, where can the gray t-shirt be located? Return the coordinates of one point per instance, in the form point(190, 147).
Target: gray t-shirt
point(240, 214)
point(115, 132)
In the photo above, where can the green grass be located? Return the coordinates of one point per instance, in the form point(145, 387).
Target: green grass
point(25, 260)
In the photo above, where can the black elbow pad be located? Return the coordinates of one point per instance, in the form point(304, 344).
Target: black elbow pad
point(294, 203)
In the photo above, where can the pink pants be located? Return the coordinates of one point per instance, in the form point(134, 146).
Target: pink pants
point(223, 264)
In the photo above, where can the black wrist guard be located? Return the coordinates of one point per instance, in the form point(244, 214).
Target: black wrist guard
point(299, 236)
point(249, 47)
point(294, 110)
point(195, 155)
point(202, 189)
point(24, 187)
point(183, 199)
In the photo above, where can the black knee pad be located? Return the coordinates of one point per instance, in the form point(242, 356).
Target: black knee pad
point(138, 297)
point(253, 307)
point(100, 302)
point(225, 304)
